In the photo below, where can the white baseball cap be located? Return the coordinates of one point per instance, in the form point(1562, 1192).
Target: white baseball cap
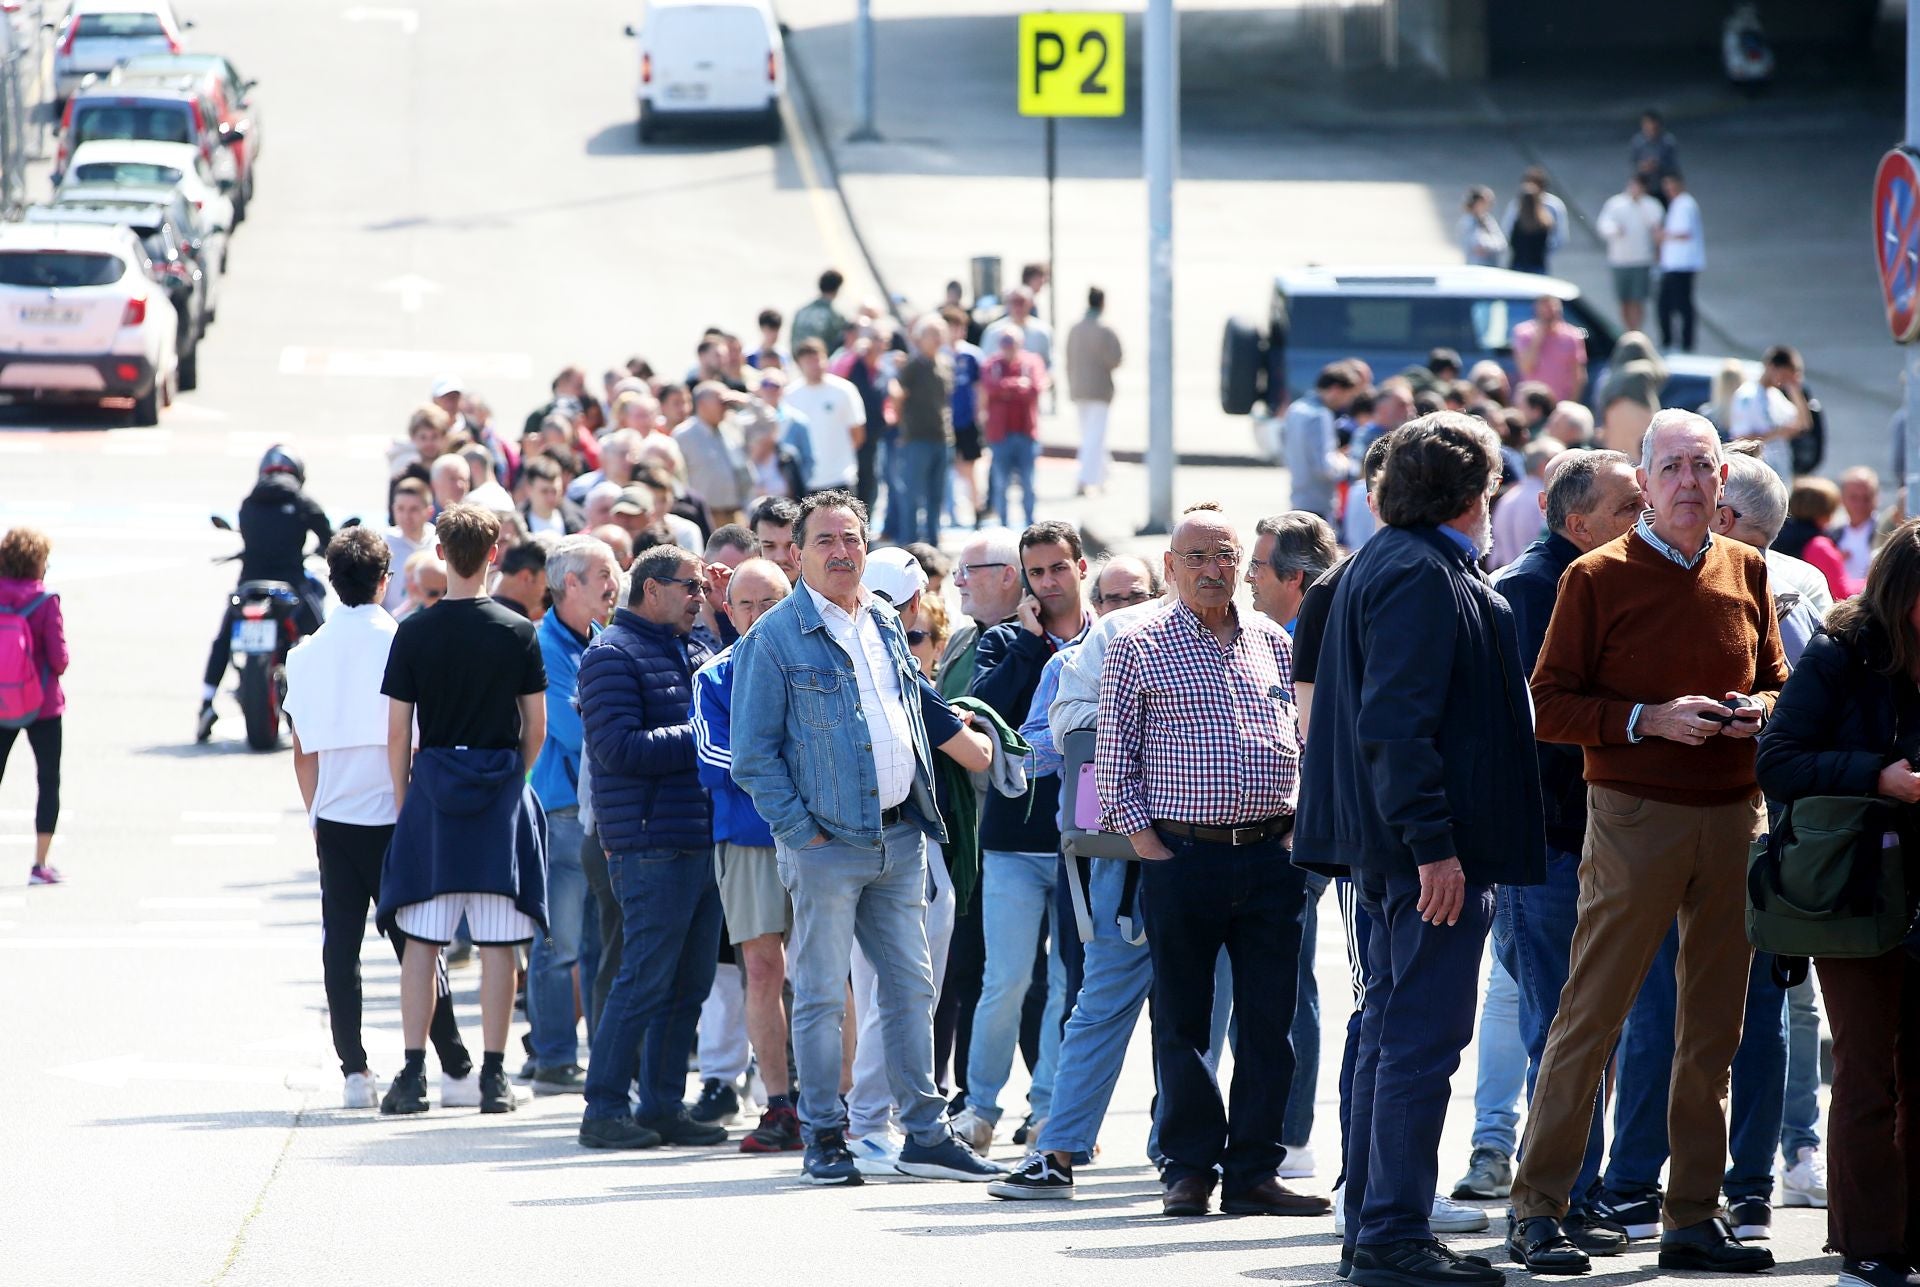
point(448, 384)
point(894, 574)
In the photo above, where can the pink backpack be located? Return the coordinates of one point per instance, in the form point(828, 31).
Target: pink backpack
point(22, 688)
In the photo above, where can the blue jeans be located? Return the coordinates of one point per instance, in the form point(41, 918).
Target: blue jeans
point(1359, 929)
point(921, 476)
point(1012, 465)
point(1296, 1130)
point(1016, 899)
point(887, 465)
point(1800, 1118)
point(1759, 1080)
point(1501, 1075)
point(670, 913)
point(1533, 938)
point(1249, 900)
point(1113, 987)
point(573, 939)
point(876, 895)
point(1422, 983)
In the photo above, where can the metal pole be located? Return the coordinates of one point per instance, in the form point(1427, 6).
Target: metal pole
point(863, 129)
point(1911, 358)
point(1160, 66)
point(1053, 267)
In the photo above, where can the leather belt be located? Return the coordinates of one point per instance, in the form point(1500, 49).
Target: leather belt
point(889, 817)
point(1277, 827)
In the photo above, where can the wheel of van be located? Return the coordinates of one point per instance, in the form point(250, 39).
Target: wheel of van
point(1242, 364)
point(146, 407)
point(648, 129)
point(770, 127)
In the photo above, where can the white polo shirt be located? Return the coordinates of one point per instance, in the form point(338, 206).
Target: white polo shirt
point(881, 701)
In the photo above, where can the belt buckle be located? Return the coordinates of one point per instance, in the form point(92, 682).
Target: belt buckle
point(1244, 835)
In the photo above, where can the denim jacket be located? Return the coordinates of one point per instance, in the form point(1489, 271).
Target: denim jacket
point(798, 734)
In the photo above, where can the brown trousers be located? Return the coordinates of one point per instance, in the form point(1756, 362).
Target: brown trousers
point(1873, 1123)
point(1645, 863)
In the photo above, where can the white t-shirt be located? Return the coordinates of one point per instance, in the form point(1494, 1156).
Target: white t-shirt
point(1758, 409)
point(1683, 220)
point(555, 523)
point(356, 786)
point(1628, 224)
point(831, 408)
point(1856, 547)
point(401, 549)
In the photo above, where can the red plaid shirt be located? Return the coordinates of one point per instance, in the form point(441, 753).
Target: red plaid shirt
point(1192, 731)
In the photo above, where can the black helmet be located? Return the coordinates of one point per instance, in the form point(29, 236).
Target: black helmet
point(281, 459)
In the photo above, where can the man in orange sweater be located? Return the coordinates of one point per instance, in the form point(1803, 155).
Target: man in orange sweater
point(1661, 661)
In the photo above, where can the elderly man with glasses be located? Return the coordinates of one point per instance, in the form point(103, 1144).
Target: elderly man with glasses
point(1197, 759)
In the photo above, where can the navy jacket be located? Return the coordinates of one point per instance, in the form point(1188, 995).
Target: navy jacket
point(636, 701)
point(1007, 672)
point(1530, 584)
point(1422, 744)
point(470, 824)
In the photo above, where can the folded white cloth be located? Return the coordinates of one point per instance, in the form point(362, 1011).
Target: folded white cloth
point(334, 677)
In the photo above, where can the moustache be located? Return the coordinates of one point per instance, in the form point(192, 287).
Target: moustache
point(1212, 583)
point(839, 565)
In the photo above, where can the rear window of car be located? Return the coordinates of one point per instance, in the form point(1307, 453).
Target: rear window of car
point(126, 172)
point(1400, 322)
point(121, 26)
point(51, 269)
point(162, 122)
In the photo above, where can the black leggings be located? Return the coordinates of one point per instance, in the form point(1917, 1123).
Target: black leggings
point(350, 860)
point(43, 735)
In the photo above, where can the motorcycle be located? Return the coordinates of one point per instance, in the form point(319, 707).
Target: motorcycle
point(263, 625)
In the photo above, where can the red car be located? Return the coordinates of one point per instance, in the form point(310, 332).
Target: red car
point(234, 105)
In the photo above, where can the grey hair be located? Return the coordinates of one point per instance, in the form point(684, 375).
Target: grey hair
point(1000, 544)
point(1302, 542)
point(1575, 412)
point(1756, 493)
point(572, 556)
point(1575, 483)
point(657, 564)
point(1540, 453)
point(930, 323)
point(1671, 418)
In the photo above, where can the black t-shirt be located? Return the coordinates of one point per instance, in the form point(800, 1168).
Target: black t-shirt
point(1310, 629)
point(465, 664)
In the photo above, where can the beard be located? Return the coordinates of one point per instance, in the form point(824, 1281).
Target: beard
point(1483, 534)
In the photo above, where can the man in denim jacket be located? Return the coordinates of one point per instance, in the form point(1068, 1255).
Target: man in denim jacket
point(833, 727)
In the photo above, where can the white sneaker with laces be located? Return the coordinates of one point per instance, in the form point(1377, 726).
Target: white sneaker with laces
point(362, 1090)
point(875, 1154)
point(1449, 1216)
point(1298, 1163)
point(460, 1092)
point(1805, 1182)
point(976, 1130)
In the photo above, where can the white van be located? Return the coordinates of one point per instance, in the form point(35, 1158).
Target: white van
point(710, 59)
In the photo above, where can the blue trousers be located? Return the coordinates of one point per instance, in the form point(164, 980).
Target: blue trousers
point(1012, 465)
point(573, 939)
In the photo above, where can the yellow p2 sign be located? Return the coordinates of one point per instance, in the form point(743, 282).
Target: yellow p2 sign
point(1073, 64)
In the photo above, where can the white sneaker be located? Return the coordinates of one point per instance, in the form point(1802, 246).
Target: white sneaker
point(1298, 1163)
point(460, 1092)
point(1456, 1217)
point(976, 1130)
point(362, 1091)
point(875, 1154)
point(1805, 1182)
point(1340, 1211)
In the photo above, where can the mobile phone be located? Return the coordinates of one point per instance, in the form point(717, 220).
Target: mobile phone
point(1718, 717)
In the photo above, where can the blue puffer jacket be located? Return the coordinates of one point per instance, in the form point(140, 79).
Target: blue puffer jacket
point(636, 700)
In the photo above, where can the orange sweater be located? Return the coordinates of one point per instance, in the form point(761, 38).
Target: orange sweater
point(1632, 626)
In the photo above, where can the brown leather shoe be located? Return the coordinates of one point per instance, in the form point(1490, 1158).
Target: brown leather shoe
point(1270, 1197)
point(1187, 1197)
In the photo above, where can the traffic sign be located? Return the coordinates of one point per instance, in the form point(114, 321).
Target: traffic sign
point(1896, 231)
point(1073, 64)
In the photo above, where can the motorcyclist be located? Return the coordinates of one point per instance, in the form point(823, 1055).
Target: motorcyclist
point(274, 521)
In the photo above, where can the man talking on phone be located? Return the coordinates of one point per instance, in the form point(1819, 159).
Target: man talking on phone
point(1662, 660)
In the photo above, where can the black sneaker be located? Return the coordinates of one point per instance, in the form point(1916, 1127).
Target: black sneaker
point(1417, 1263)
point(567, 1079)
point(1640, 1217)
point(1751, 1218)
point(1039, 1177)
point(1024, 1133)
point(407, 1093)
point(827, 1161)
point(616, 1132)
point(718, 1104)
point(778, 1132)
point(1874, 1273)
point(1593, 1235)
point(203, 723)
point(496, 1092)
point(682, 1129)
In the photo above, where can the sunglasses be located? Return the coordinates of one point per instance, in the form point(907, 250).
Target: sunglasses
point(691, 584)
point(917, 637)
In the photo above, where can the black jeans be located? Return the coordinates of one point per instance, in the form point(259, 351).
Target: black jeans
point(1251, 900)
point(959, 994)
point(1676, 311)
point(43, 735)
point(350, 858)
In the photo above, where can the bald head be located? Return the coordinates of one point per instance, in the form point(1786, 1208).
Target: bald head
point(756, 585)
point(1123, 582)
point(1206, 538)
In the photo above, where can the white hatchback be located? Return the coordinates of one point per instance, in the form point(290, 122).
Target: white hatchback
point(82, 319)
point(99, 35)
point(710, 59)
point(144, 163)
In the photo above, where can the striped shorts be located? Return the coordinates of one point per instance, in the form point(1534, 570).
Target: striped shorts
point(492, 919)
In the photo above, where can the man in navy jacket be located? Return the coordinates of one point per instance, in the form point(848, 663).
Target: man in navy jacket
point(636, 700)
point(1421, 705)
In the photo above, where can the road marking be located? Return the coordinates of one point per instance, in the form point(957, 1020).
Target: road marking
point(402, 364)
point(119, 1071)
point(409, 19)
point(152, 442)
point(196, 927)
point(222, 840)
point(255, 819)
point(412, 289)
point(826, 218)
point(121, 942)
point(219, 904)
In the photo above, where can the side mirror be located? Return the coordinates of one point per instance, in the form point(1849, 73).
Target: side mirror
point(222, 523)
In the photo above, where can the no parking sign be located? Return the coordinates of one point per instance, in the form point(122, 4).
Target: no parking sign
point(1896, 229)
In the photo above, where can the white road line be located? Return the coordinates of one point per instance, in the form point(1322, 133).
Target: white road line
point(238, 819)
point(222, 840)
point(121, 942)
point(196, 927)
point(151, 442)
point(402, 364)
point(216, 904)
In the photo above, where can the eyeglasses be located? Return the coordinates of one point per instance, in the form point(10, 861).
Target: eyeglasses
point(1198, 559)
point(917, 637)
point(1125, 600)
point(1737, 515)
point(691, 584)
point(966, 570)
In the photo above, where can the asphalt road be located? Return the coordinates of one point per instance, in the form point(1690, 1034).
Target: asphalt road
point(171, 1093)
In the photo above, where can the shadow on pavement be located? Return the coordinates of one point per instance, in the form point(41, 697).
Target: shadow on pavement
point(1150, 1250)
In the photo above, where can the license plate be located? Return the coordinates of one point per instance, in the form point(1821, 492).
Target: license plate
point(255, 636)
point(49, 315)
point(687, 93)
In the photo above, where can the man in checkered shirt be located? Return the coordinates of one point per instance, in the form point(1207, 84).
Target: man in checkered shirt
point(1197, 759)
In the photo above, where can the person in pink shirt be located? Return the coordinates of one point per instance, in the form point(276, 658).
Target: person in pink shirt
point(1552, 350)
point(1012, 381)
point(24, 596)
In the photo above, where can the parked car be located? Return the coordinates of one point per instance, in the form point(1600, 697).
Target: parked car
point(108, 109)
point(233, 104)
point(710, 60)
point(98, 35)
point(175, 250)
point(82, 320)
point(138, 163)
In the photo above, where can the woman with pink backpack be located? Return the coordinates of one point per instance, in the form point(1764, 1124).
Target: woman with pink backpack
point(33, 656)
